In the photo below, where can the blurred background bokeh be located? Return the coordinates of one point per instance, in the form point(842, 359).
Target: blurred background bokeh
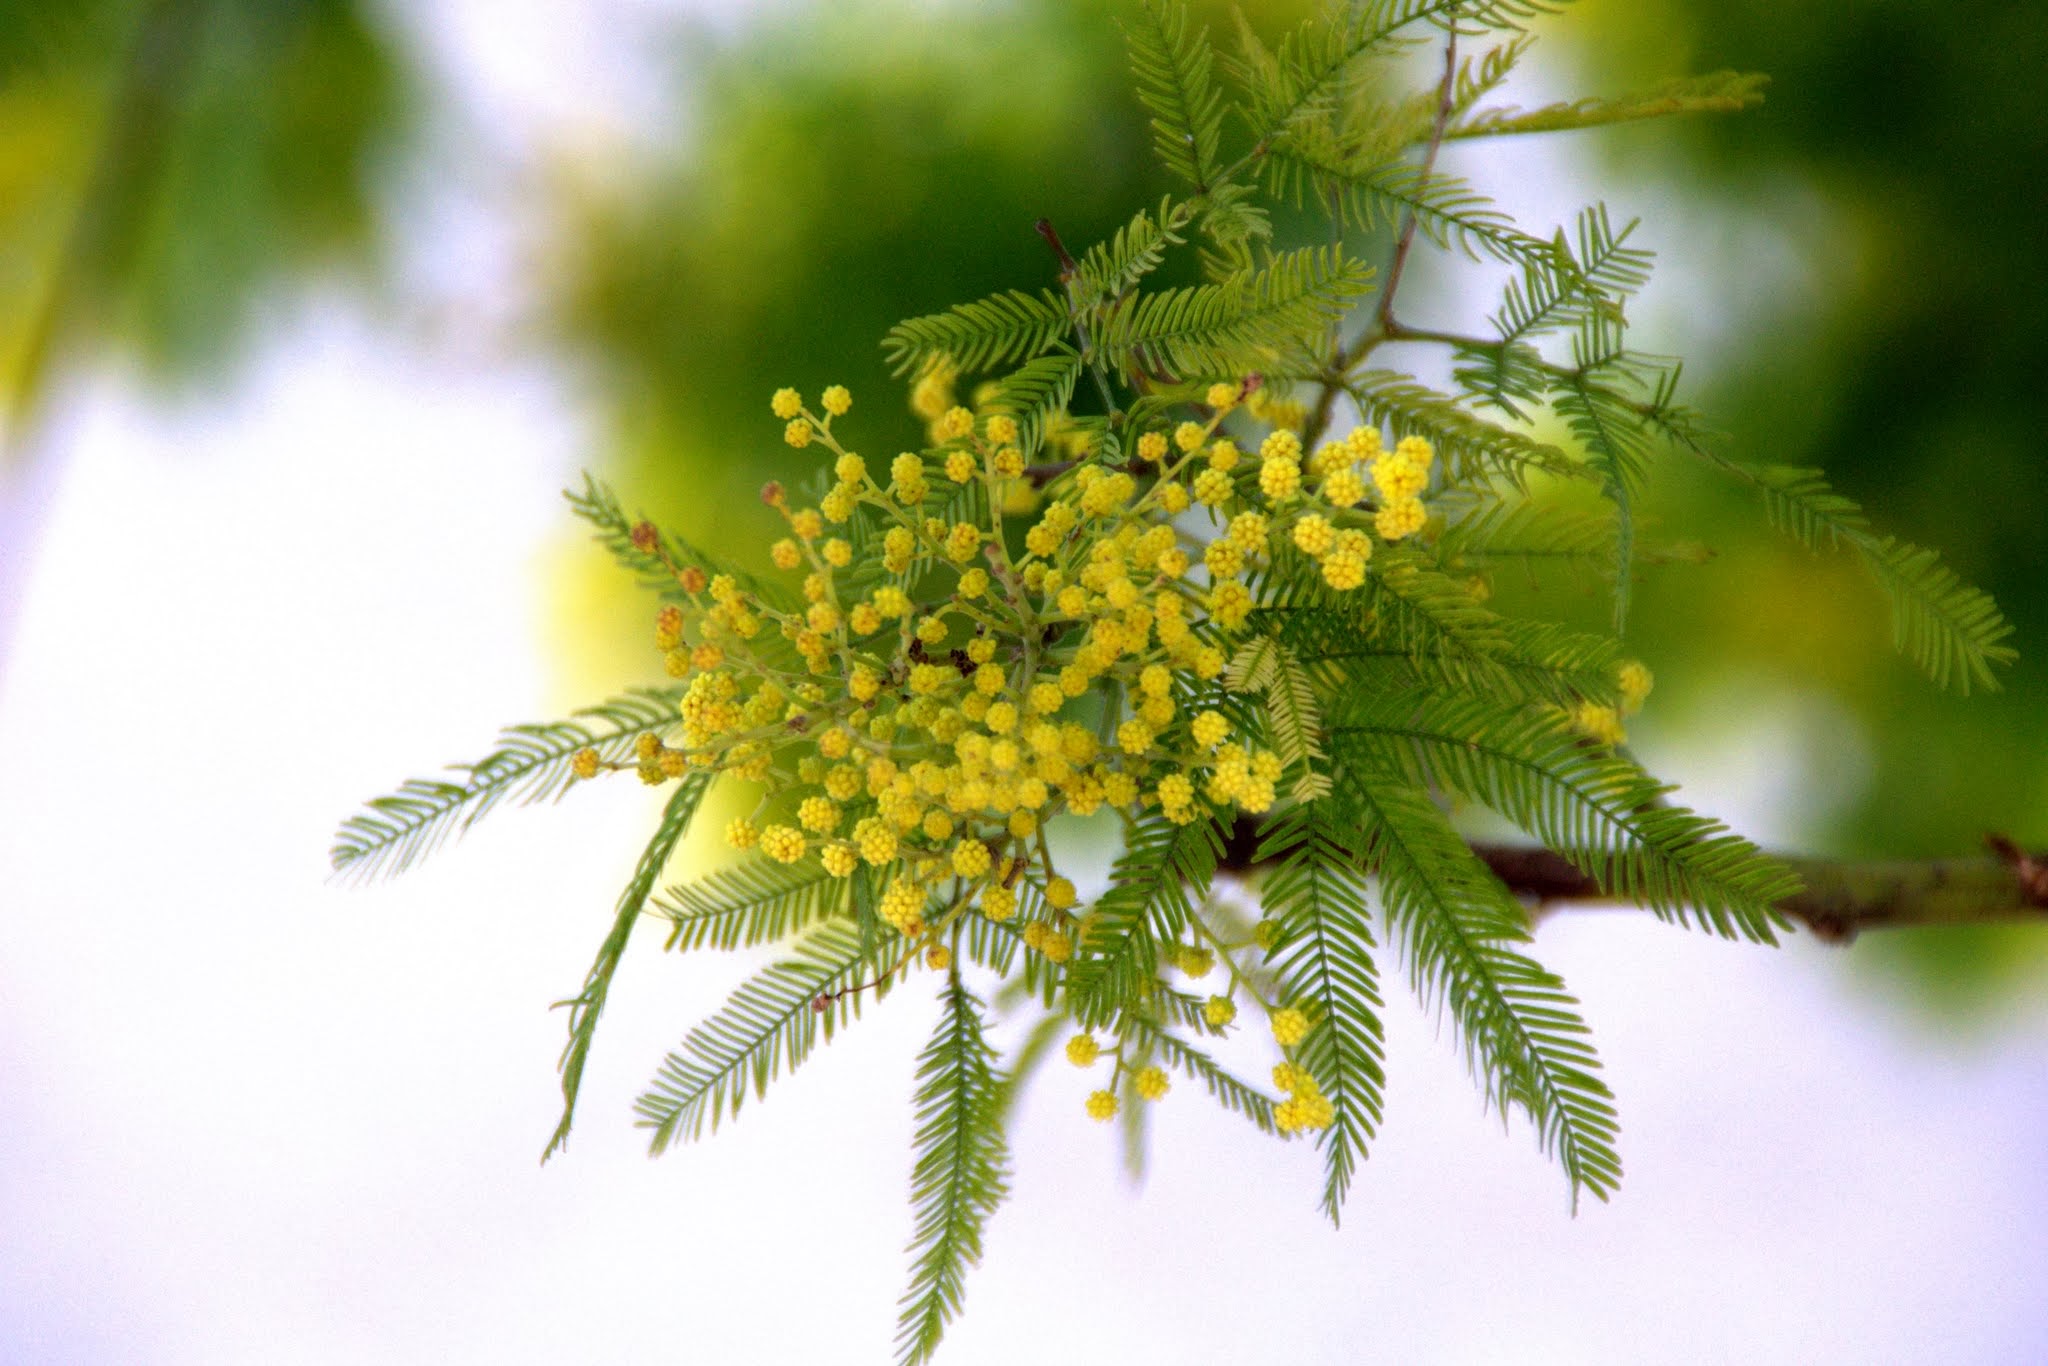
point(309, 307)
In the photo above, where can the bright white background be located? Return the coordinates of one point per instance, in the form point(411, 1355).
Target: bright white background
point(249, 1117)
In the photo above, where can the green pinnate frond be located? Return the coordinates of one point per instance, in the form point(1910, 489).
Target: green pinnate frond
point(1230, 1091)
point(770, 1024)
point(1173, 71)
point(1616, 447)
point(530, 764)
point(1236, 327)
point(1473, 449)
point(1530, 538)
point(1307, 71)
point(599, 506)
point(1323, 953)
point(1476, 81)
point(1294, 724)
point(1109, 270)
point(1951, 630)
point(758, 902)
point(1382, 193)
point(1596, 271)
point(1596, 808)
point(1152, 885)
point(1252, 667)
point(961, 1173)
point(999, 330)
point(1293, 718)
point(1032, 393)
point(1522, 1034)
point(1717, 92)
point(587, 1005)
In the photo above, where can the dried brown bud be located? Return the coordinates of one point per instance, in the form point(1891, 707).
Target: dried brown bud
point(771, 493)
point(692, 579)
point(646, 537)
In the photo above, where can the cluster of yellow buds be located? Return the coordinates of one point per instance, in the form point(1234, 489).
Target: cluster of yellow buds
point(1306, 1107)
point(1601, 723)
point(929, 697)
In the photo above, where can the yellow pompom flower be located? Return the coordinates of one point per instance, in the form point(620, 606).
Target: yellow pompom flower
point(584, 763)
point(1152, 447)
point(1101, 1105)
point(1219, 1011)
point(783, 843)
point(1082, 1050)
point(741, 834)
point(1221, 397)
point(1599, 723)
point(818, 813)
point(1279, 477)
point(960, 467)
point(1400, 518)
point(797, 433)
point(1290, 1027)
point(837, 400)
point(839, 860)
point(1213, 488)
point(1059, 893)
point(1002, 429)
point(1344, 489)
point(1151, 1083)
point(970, 858)
point(1230, 602)
point(1314, 535)
point(1248, 531)
point(1189, 436)
point(786, 404)
point(1634, 681)
point(1210, 729)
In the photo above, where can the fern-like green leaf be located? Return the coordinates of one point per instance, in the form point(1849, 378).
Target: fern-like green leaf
point(530, 764)
point(1162, 867)
point(1233, 328)
point(1952, 631)
point(588, 1004)
point(1520, 1028)
point(1230, 1091)
point(1594, 807)
point(1371, 194)
point(1717, 92)
point(1173, 71)
point(758, 902)
point(1109, 270)
point(961, 1173)
point(1293, 717)
point(599, 506)
point(1323, 953)
point(1473, 449)
point(770, 1023)
point(999, 330)
point(1033, 392)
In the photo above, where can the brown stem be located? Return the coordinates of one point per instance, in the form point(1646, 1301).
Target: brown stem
point(1383, 326)
point(1841, 898)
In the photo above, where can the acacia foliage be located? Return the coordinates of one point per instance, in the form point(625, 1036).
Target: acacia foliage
point(1379, 698)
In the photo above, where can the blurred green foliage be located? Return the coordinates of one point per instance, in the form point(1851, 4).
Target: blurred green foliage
point(166, 163)
point(163, 164)
point(1910, 371)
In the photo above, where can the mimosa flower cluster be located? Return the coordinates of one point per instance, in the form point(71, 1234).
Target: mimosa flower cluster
point(925, 703)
